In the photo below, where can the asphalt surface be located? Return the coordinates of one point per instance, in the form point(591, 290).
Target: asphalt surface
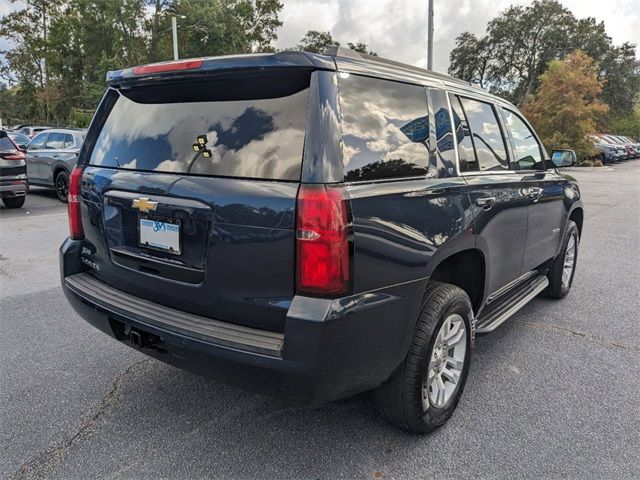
point(554, 392)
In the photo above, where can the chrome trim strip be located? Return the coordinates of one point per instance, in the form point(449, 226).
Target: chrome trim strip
point(490, 324)
point(224, 334)
point(510, 285)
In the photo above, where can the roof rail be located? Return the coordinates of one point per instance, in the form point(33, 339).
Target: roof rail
point(338, 51)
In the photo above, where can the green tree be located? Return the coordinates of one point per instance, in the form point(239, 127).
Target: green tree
point(565, 108)
point(159, 27)
point(26, 63)
point(628, 125)
point(225, 27)
point(316, 42)
point(362, 48)
point(521, 41)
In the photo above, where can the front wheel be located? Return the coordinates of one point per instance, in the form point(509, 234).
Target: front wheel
point(424, 391)
point(564, 265)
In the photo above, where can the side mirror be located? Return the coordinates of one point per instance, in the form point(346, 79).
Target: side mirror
point(564, 158)
point(22, 148)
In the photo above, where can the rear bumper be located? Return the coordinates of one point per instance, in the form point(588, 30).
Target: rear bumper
point(329, 349)
point(13, 186)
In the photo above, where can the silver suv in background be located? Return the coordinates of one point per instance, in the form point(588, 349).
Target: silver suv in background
point(32, 130)
point(51, 156)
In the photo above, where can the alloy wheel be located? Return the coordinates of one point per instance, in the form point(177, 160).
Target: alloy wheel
point(62, 187)
point(446, 362)
point(569, 261)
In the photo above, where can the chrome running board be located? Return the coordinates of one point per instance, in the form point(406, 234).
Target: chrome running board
point(501, 309)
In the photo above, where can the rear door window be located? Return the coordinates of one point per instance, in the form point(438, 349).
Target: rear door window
point(55, 141)
point(488, 142)
point(385, 128)
point(251, 128)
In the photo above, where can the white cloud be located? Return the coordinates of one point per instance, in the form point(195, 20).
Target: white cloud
point(397, 29)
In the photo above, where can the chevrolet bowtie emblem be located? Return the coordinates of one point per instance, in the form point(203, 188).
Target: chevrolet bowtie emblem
point(144, 204)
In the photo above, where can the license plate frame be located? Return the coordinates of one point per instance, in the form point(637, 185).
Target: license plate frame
point(166, 240)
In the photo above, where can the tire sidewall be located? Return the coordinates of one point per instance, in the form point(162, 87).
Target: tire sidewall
point(55, 183)
point(437, 416)
point(572, 231)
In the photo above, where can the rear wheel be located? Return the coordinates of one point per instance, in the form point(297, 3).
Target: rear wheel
point(564, 266)
point(424, 391)
point(14, 202)
point(62, 186)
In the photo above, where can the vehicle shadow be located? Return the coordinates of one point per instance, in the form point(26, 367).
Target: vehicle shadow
point(218, 430)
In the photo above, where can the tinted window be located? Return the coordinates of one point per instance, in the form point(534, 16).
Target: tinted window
point(6, 144)
point(526, 149)
point(68, 140)
point(19, 138)
point(468, 160)
point(244, 134)
point(486, 135)
point(55, 141)
point(38, 142)
point(385, 128)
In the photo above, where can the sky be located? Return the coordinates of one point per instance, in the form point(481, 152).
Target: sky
point(397, 29)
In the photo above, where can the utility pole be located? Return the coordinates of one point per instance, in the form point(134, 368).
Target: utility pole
point(174, 28)
point(430, 37)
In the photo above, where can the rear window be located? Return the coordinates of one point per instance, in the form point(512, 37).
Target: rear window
point(252, 128)
point(6, 144)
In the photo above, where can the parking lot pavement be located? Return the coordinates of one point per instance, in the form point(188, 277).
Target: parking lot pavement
point(552, 393)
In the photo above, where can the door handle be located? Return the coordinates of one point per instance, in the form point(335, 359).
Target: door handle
point(485, 202)
point(55, 155)
point(534, 192)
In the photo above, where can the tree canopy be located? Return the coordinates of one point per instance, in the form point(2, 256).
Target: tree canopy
point(317, 42)
point(520, 42)
point(565, 108)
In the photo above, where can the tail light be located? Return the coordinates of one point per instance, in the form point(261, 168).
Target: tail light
point(15, 155)
point(76, 231)
point(323, 250)
point(168, 67)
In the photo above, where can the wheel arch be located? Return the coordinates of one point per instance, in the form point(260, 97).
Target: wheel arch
point(57, 168)
point(577, 215)
point(464, 268)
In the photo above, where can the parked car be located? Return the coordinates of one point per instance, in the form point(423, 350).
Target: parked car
point(621, 149)
point(314, 226)
point(607, 152)
point(20, 139)
point(31, 131)
point(13, 173)
point(633, 148)
point(51, 156)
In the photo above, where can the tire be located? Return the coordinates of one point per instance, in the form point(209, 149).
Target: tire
point(61, 184)
point(14, 202)
point(406, 398)
point(559, 286)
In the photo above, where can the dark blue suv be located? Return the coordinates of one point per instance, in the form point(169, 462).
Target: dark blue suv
point(314, 226)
